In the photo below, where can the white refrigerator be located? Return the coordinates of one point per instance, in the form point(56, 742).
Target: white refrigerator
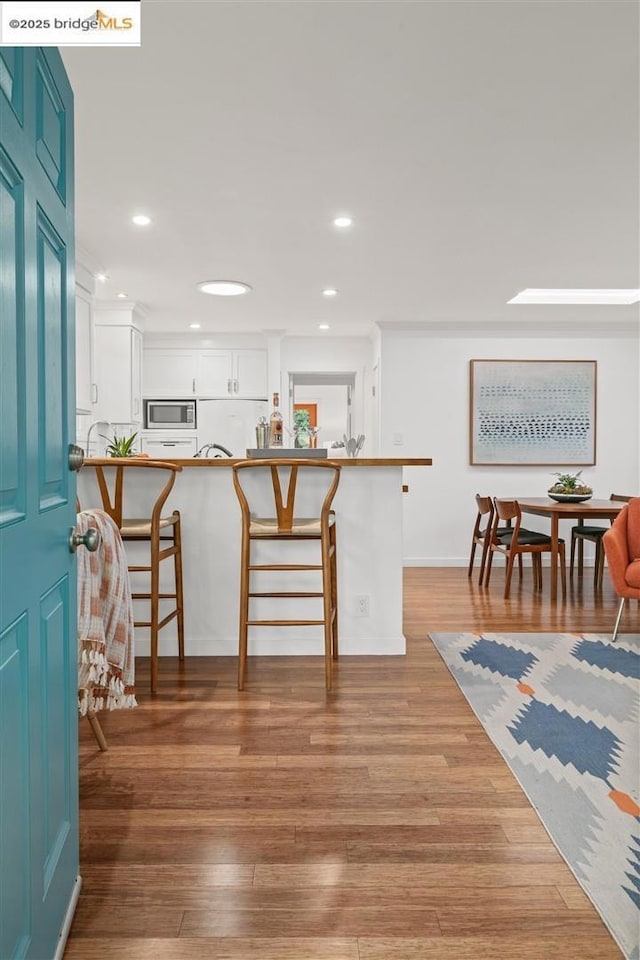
point(229, 423)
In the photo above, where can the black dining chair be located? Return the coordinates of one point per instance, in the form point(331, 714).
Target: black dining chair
point(582, 532)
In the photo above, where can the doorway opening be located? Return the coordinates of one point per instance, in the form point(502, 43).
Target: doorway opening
point(329, 399)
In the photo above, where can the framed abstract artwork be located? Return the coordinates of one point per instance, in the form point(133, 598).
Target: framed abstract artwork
point(533, 412)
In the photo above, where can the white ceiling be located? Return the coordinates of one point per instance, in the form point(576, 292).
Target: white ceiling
point(481, 147)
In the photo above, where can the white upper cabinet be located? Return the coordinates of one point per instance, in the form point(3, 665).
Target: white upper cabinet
point(250, 374)
point(118, 365)
point(216, 373)
point(170, 373)
point(233, 373)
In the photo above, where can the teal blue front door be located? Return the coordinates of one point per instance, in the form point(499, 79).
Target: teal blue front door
point(38, 658)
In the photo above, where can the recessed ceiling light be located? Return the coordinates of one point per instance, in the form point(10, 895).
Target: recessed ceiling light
point(141, 220)
point(224, 288)
point(101, 276)
point(330, 292)
point(531, 295)
point(194, 326)
point(342, 221)
point(324, 326)
point(121, 296)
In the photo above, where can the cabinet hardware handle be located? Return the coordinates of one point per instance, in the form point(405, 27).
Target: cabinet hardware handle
point(94, 392)
point(235, 386)
point(229, 382)
point(193, 385)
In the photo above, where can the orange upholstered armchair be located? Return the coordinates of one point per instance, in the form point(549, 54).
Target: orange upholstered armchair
point(622, 550)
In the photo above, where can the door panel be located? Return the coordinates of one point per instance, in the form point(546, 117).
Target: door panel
point(14, 821)
point(54, 677)
point(11, 78)
point(12, 392)
point(38, 645)
point(52, 373)
point(50, 127)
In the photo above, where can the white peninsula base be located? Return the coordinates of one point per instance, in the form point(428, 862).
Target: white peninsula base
point(368, 508)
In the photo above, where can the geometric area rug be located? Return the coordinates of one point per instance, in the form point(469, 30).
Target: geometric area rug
point(564, 712)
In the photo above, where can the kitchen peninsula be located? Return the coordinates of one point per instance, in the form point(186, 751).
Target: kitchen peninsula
point(368, 508)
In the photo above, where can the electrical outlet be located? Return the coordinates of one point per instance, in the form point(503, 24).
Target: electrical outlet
point(398, 440)
point(362, 606)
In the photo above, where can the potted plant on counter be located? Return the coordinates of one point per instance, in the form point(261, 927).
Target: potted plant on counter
point(120, 446)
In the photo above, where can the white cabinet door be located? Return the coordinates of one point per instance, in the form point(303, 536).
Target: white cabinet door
point(117, 364)
point(136, 375)
point(169, 373)
point(180, 448)
point(215, 373)
point(84, 355)
point(113, 372)
point(250, 374)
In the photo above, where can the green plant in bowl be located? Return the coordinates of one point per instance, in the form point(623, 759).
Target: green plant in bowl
point(570, 484)
point(120, 446)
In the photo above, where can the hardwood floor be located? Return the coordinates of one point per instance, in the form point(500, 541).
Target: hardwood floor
point(376, 822)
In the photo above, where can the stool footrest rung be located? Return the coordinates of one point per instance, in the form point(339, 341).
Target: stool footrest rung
point(147, 596)
point(285, 623)
point(287, 593)
point(285, 566)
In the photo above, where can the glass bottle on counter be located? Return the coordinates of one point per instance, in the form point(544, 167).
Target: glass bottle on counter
point(275, 424)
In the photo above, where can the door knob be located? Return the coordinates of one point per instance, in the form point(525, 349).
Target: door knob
point(90, 540)
point(76, 457)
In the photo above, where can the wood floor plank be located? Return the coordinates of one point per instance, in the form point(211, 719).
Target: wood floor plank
point(221, 898)
point(377, 822)
point(125, 919)
point(594, 947)
point(212, 948)
point(450, 853)
point(328, 915)
point(474, 922)
point(366, 874)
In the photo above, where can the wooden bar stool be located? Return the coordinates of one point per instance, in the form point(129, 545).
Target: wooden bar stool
point(154, 530)
point(285, 524)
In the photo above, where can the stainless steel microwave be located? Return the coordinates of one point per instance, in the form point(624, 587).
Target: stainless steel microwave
point(170, 414)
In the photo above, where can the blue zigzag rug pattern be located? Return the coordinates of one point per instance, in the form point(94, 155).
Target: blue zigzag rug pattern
point(564, 712)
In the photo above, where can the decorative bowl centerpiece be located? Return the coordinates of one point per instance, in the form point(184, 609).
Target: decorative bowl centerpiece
point(569, 488)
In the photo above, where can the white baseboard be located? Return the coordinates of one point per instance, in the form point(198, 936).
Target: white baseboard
point(68, 918)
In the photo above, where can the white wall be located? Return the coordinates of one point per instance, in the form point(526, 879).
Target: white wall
point(425, 398)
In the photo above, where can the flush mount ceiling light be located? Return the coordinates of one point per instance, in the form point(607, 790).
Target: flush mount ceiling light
point(194, 326)
point(531, 295)
point(121, 296)
point(141, 220)
point(342, 221)
point(224, 288)
point(330, 292)
point(324, 326)
point(103, 277)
